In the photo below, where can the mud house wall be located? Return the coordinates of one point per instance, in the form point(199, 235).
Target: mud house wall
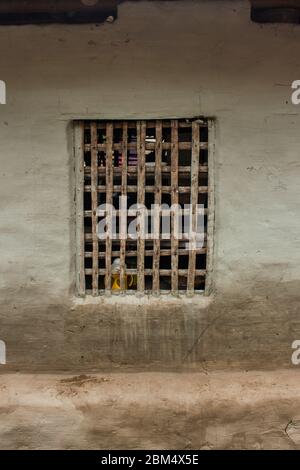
point(160, 59)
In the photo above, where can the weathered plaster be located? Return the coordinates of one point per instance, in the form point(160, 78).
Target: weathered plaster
point(176, 59)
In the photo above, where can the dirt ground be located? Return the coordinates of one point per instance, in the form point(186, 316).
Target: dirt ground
point(240, 410)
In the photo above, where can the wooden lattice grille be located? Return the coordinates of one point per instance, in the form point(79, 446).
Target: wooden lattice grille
point(162, 162)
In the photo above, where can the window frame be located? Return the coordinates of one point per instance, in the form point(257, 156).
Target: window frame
point(78, 136)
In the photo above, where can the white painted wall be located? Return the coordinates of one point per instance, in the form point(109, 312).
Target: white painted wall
point(170, 59)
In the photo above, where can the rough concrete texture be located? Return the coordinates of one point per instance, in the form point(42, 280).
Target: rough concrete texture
point(152, 336)
point(151, 411)
point(169, 59)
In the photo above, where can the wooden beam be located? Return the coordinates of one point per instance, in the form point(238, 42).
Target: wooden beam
point(133, 253)
point(149, 189)
point(174, 202)
point(141, 139)
point(149, 272)
point(57, 6)
point(54, 6)
point(275, 3)
point(157, 202)
point(79, 176)
point(94, 195)
point(123, 215)
point(211, 207)
point(149, 146)
point(56, 11)
point(193, 203)
point(109, 201)
point(275, 11)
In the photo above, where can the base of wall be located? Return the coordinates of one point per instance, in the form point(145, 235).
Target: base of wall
point(253, 332)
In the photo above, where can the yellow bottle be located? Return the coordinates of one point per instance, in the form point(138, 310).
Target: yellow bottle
point(116, 281)
point(130, 280)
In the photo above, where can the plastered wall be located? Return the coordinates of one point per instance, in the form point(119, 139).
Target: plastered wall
point(160, 59)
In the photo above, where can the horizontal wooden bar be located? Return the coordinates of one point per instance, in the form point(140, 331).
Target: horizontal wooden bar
point(149, 272)
point(88, 238)
point(148, 168)
point(133, 292)
point(133, 253)
point(133, 212)
point(148, 189)
point(150, 124)
point(148, 146)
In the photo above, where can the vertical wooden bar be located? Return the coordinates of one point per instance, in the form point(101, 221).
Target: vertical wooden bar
point(123, 213)
point(79, 182)
point(157, 202)
point(174, 202)
point(109, 201)
point(211, 207)
point(193, 203)
point(141, 144)
point(94, 195)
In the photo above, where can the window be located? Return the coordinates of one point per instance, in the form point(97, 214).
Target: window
point(144, 198)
